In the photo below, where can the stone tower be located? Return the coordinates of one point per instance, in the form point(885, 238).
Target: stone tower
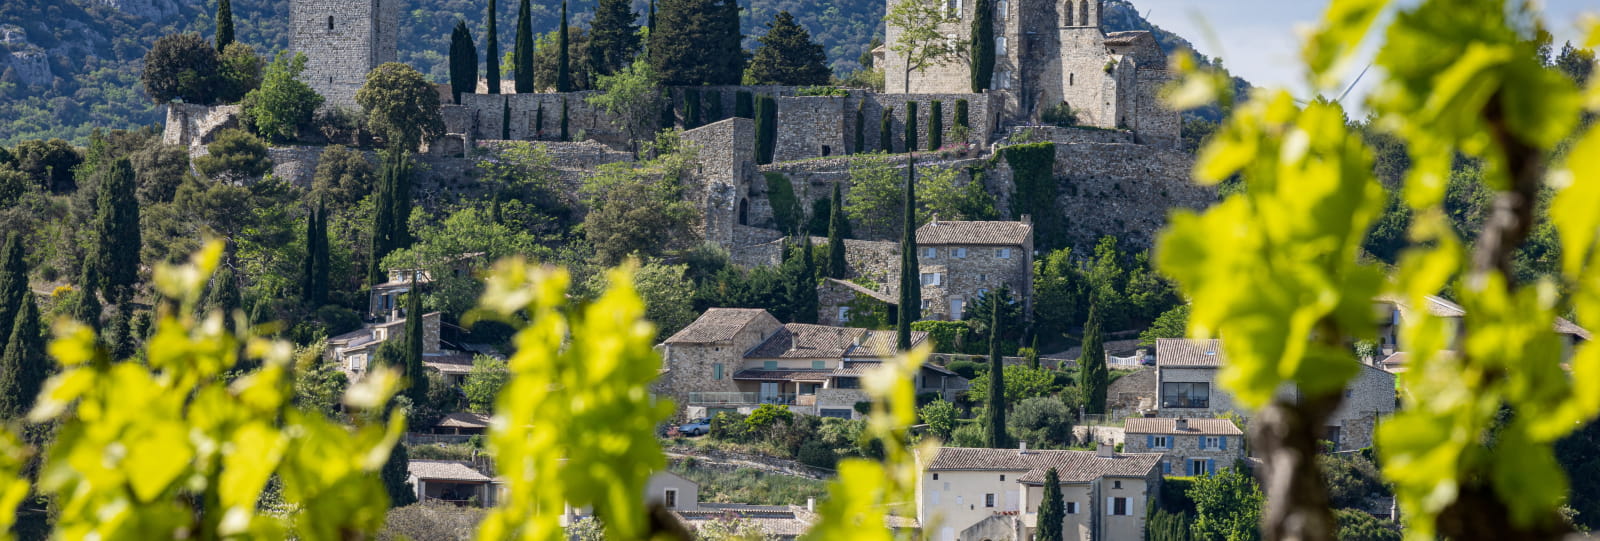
point(342, 41)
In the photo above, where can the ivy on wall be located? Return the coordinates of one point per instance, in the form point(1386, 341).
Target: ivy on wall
point(786, 209)
point(1033, 174)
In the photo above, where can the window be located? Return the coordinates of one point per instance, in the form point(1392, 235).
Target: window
point(1185, 395)
point(835, 413)
point(819, 365)
point(988, 500)
point(930, 278)
point(1160, 442)
point(1212, 442)
point(1004, 253)
point(769, 365)
point(935, 477)
point(930, 252)
point(1199, 466)
point(1070, 78)
point(716, 371)
point(961, 253)
point(1120, 507)
point(330, 22)
point(847, 383)
point(1000, 45)
point(1002, 477)
point(1116, 484)
point(671, 498)
point(1072, 508)
point(1002, 7)
point(844, 314)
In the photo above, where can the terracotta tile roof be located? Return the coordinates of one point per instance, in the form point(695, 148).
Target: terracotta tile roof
point(755, 374)
point(1441, 307)
point(1071, 466)
point(445, 470)
point(983, 233)
point(885, 297)
point(862, 368)
point(1185, 352)
point(1168, 425)
point(464, 419)
point(806, 341)
point(716, 325)
point(775, 520)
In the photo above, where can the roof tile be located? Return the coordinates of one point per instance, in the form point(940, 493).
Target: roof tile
point(717, 325)
point(1186, 352)
point(971, 232)
point(1168, 425)
point(1071, 466)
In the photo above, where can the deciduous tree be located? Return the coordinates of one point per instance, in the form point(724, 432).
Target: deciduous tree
point(283, 104)
point(922, 42)
point(402, 105)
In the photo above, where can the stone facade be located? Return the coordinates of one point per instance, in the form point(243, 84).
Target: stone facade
point(482, 116)
point(1132, 392)
point(726, 155)
point(994, 497)
point(342, 41)
point(193, 125)
point(964, 269)
point(811, 126)
point(1188, 446)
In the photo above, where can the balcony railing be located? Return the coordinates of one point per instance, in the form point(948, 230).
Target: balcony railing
point(741, 398)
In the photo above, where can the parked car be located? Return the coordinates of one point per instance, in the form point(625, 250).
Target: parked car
point(696, 427)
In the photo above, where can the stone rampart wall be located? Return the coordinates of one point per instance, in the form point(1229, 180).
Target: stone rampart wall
point(193, 125)
point(1123, 190)
point(481, 116)
point(1062, 136)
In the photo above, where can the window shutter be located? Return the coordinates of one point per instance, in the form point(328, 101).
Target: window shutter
point(1150, 442)
point(1222, 443)
point(1111, 506)
point(1202, 442)
point(1211, 466)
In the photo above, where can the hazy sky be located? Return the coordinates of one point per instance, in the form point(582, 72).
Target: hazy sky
point(1258, 39)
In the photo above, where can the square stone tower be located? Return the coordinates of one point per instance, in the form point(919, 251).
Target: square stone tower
point(342, 41)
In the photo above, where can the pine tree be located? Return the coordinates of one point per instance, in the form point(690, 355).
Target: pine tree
point(787, 56)
point(997, 437)
point(564, 135)
point(1092, 371)
point(23, 365)
point(416, 373)
point(613, 38)
point(910, 279)
point(837, 224)
point(117, 231)
point(13, 282)
point(696, 42)
point(886, 131)
point(224, 24)
point(911, 126)
point(522, 51)
point(982, 55)
point(744, 104)
point(491, 59)
point(1052, 511)
point(463, 61)
point(935, 125)
point(691, 109)
point(86, 307)
point(861, 126)
point(563, 54)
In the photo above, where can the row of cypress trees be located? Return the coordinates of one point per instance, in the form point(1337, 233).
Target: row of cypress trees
point(23, 364)
point(393, 211)
point(613, 44)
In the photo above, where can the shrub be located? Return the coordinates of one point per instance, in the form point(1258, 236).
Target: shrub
point(817, 453)
point(967, 369)
point(830, 91)
point(1044, 422)
point(863, 407)
point(766, 416)
point(968, 435)
point(947, 336)
point(1060, 115)
point(728, 426)
point(234, 156)
point(431, 520)
point(940, 416)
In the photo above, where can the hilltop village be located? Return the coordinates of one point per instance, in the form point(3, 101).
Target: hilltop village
point(988, 190)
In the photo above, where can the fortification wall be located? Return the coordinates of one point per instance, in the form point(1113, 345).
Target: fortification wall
point(1158, 125)
point(810, 126)
point(1123, 190)
point(482, 116)
point(193, 125)
point(1068, 135)
point(726, 157)
point(295, 164)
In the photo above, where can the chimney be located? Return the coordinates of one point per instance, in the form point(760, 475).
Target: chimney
point(1022, 447)
point(1105, 450)
point(1181, 424)
point(811, 505)
point(1027, 218)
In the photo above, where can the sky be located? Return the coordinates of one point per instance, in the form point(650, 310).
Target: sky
point(1258, 39)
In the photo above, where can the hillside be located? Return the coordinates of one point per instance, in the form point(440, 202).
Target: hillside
point(81, 70)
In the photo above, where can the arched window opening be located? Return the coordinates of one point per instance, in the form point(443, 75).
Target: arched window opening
point(1084, 13)
point(1068, 13)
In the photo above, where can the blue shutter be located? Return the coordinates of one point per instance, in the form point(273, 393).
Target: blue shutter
point(1211, 466)
point(1188, 467)
point(1150, 442)
point(1202, 442)
point(1222, 443)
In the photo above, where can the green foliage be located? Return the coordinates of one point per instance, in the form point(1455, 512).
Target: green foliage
point(946, 336)
point(1061, 114)
point(563, 55)
point(940, 416)
point(982, 54)
point(314, 279)
point(817, 453)
point(401, 105)
point(1576, 455)
point(786, 209)
point(614, 38)
point(224, 24)
point(1165, 525)
point(691, 109)
point(822, 90)
point(1045, 422)
point(629, 96)
point(787, 56)
point(744, 104)
point(84, 306)
point(922, 42)
point(342, 178)
point(484, 382)
point(1092, 371)
point(181, 67)
point(410, 361)
point(766, 415)
point(961, 115)
point(463, 62)
point(49, 163)
point(966, 369)
point(997, 403)
point(394, 475)
point(639, 208)
point(283, 104)
point(861, 127)
point(910, 305)
point(392, 212)
point(117, 236)
point(753, 486)
point(696, 42)
point(522, 51)
point(876, 185)
point(911, 126)
point(1227, 505)
point(1052, 511)
point(234, 156)
point(886, 131)
point(800, 283)
point(1353, 481)
point(23, 365)
point(1172, 324)
point(935, 125)
point(1357, 525)
point(766, 128)
point(1033, 174)
point(838, 230)
point(1021, 382)
point(238, 72)
point(491, 55)
point(663, 289)
point(441, 248)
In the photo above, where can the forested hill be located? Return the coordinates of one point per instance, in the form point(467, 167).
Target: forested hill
point(73, 65)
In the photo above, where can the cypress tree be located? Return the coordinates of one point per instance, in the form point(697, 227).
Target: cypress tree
point(394, 474)
point(463, 61)
point(807, 305)
point(13, 282)
point(538, 122)
point(836, 234)
point(1052, 511)
point(997, 437)
point(224, 24)
point(564, 135)
point(491, 57)
point(714, 112)
point(389, 222)
point(319, 257)
point(522, 51)
point(982, 56)
point(766, 128)
point(86, 307)
point(563, 54)
point(613, 38)
point(691, 108)
point(744, 105)
point(910, 278)
point(961, 114)
point(668, 118)
point(223, 295)
point(911, 126)
point(119, 334)
point(505, 118)
point(117, 231)
point(415, 372)
point(308, 265)
point(886, 131)
point(861, 127)
point(650, 22)
point(1092, 371)
point(935, 125)
point(23, 365)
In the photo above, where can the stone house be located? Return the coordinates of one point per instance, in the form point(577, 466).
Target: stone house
point(1050, 52)
point(963, 260)
point(836, 299)
point(1188, 446)
point(993, 494)
point(450, 481)
point(1393, 311)
point(1186, 386)
point(354, 350)
point(735, 359)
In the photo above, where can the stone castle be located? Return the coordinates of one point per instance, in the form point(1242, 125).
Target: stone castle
point(342, 41)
